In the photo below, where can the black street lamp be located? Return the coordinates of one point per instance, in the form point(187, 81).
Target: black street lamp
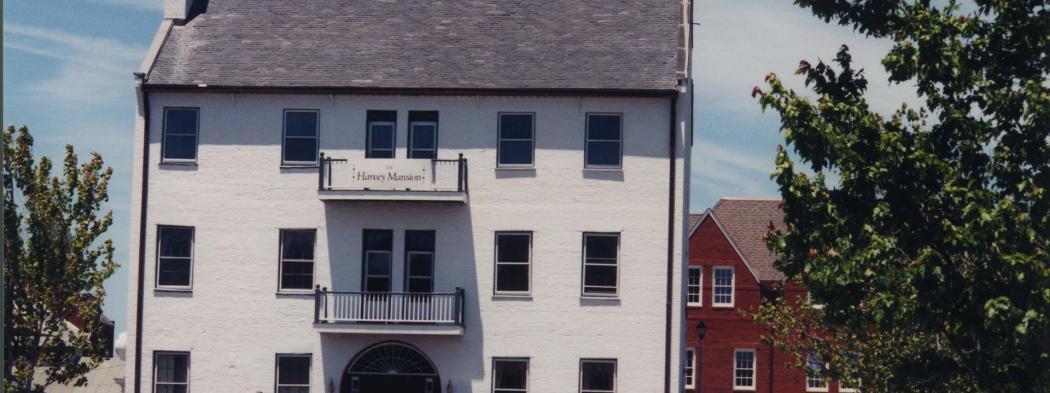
point(701, 331)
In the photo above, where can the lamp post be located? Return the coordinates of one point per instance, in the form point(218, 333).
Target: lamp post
point(701, 331)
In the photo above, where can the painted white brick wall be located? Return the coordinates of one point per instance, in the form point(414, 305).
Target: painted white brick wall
point(238, 196)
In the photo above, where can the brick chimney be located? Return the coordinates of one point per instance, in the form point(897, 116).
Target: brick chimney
point(177, 10)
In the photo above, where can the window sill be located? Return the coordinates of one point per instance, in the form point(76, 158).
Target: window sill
point(300, 166)
point(172, 289)
point(694, 305)
point(599, 301)
point(178, 163)
point(512, 297)
point(295, 293)
point(620, 169)
point(725, 306)
point(515, 168)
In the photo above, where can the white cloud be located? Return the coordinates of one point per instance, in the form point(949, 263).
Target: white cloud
point(737, 172)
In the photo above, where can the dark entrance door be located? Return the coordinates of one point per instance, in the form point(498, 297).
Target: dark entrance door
point(391, 367)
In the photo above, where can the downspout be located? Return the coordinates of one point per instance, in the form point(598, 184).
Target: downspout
point(144, 187)
point(668, 305)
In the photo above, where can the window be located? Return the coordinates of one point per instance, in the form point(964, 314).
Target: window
point(604, 140)
point(723, 286)
point(510, 375)
point(419, 261)
point(516, 140)
point(174, 257)
point(600, 253)
point(293, 373)
point(852, 378)
point(744, 369)
point(180, 134)
point(171, 372)
point(378, 244)
point(815, 381)
point(689, 373)
point(381, 138)
point(422, 134)
point(696, 278)
point(813, 301)
point(513, 261)
point(297, 259)
point(300, 136)
point(597, 376)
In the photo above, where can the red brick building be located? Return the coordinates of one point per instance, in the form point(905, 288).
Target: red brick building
point(730, 272)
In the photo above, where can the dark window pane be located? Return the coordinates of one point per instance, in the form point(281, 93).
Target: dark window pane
point(382, 136)
point(180, 121)
point(298, 244)
point(600, 275)
point(419, 240)
point(293, 370)
point(172, 367)
point(380, 154)
point(515, 126)
point(378, 284)
point(300, 149)
point(423, 136)
point(515, 152)
point(181, 147)
point(513, 278)
point(379, 239)
point(297, 275)
point(174, 272)
point(423, 154)
point(300, 124)
point(171, 388)
point(598, 375)
point(378, 264)
point(293, 389)
point(513, 248)
point(176, 242)
point(510, 374)
point(420, 285)
point(602, 246)
point(603, 127)
point(420, 265)
point(603, 153)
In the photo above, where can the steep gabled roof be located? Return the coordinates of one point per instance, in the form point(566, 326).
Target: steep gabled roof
point(624, 45)
point(745, 222)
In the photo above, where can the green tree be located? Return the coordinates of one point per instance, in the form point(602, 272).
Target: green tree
point(926, 232)
point(55, 265)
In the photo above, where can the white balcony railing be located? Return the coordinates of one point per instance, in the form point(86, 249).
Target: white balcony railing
point(392, 179)
point(388, 307)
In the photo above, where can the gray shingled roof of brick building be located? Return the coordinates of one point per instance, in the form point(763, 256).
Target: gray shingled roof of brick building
point(441, 44)
point(746, 222)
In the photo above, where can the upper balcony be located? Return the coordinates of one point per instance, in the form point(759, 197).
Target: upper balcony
point(392, 179)
point(389, 312)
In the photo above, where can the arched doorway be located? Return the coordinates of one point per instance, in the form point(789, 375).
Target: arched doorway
point(391, 367)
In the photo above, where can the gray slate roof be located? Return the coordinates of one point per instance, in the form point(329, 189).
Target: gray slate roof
point(435, 44)
point(746, 222)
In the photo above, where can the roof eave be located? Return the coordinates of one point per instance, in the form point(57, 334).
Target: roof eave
point(369, 90)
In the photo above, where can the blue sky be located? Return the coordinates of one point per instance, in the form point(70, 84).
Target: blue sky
point(68, 64)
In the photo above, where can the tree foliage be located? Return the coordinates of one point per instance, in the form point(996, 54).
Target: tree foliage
point(55, 265)
point(931, 248)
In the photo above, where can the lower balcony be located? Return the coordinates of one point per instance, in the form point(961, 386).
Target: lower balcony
point(389, 312)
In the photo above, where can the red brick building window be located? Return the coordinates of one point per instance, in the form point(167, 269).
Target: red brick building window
point(744, 369)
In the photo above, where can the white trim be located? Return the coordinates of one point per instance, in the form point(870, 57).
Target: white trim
point(393, 139)
point(711, 214)
point(810, 356)
point(583, 272)
point(689, 286)
point(281, 260)
point(156, 266)
point(754, 369)
point(389, 276)
point(714, 286)
point(411, 139)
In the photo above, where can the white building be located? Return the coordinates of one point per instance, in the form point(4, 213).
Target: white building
point(378, 196)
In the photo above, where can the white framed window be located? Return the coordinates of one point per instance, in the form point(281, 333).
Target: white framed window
point(174, 257)
point(689, 368)
point(815, 382)
point(378, 251)
point(601, 264)
point(513, 263)
point(381, 139)
point(292, 373)
point(723, 286)
point(516, 142)
point(171, 372)
point(181, 127)
point(851, 386)
point(604, 145)
point(301, 135)
point(510, 375)
point(744, 361)
point(419, 261)
point(422, 139)
point(597, 375)
point(694, 294)
point(297, 259)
